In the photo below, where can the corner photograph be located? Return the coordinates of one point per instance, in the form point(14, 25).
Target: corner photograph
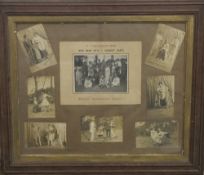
point(36, 47)
point(165, 48)
point(45, 135)
point(156, 134)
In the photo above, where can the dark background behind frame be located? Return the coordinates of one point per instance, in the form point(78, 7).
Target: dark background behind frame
point(164, 7)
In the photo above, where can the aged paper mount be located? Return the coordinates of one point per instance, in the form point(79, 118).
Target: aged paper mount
point(165, 48)
point(100, 73)
point(36, 47)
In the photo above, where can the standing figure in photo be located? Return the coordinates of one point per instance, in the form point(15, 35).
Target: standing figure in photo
point(112, 125)
point(96, 75)
point(92, 129)
point(90, 69)
point(108, 129)
point(79, 76)
point(28, 45)
point(51, 134)
point(124, 72)
point(36, 47)
point(36, 51)
point(100, 130)
point(107, 75)
point(166, 45)
point(163, 52)
point(102, 82)
point(162, 94)
point(84, 69)
point(118, 69)
point(102, 67)
point(36, 107)
point(113, 71)
point(40, 46)
point(36, 135)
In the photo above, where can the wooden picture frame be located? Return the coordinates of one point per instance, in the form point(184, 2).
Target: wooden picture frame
point(97, 31)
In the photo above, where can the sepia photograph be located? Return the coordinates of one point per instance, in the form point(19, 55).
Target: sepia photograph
point(36, 47)
point(41, 97)
point(101, 72)
point(156, 134)
point(101, 129)
point(165, 47)
point(45, 135)
point(160, 95)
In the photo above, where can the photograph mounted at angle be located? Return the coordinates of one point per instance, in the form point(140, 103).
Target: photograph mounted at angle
point(165, 48)
point(36, 47)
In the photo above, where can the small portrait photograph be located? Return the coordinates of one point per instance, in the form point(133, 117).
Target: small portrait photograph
point(160, 95)
point(36, 47)
point(101, 129)
point(101, 73)
point(165, 47)
point(156, 134)
point(45, 135)
point(41, 97)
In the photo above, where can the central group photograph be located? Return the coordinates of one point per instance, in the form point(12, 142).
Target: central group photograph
point(100, 72)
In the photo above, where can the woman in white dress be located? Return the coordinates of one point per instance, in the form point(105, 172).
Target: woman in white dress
point(41, 45)
point(92, 129)
point(36, 135)
point(164, 97)
point(36, 51)
point(107, 76)
point(52, 134)
point(79, 76)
